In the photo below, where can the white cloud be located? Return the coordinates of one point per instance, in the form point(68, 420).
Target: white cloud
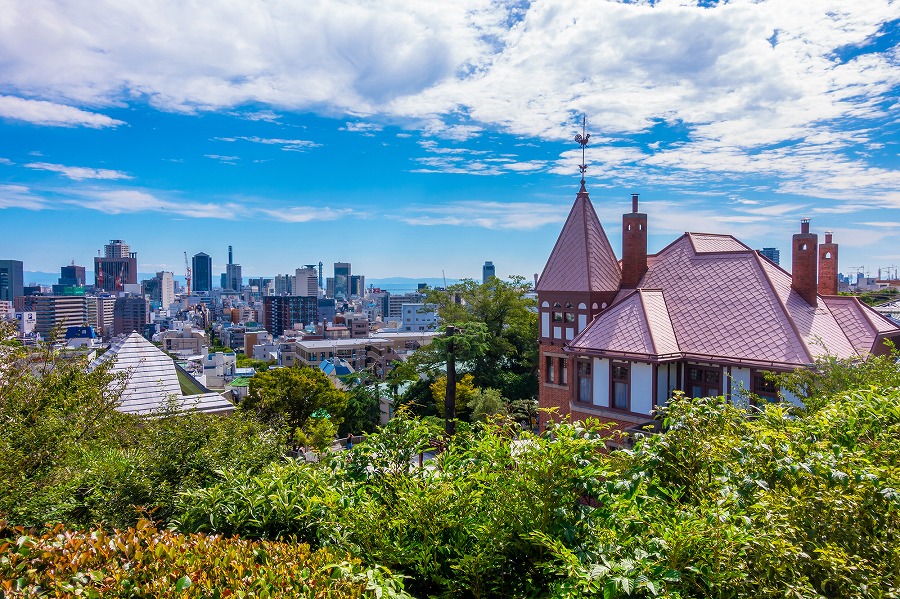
point(41, 112)
point(19, 196)
point(78, 173)
point(288, 145)
point(6, 161)
point(364, 128)
point(488, 215)
point(734, 90)
point(223, 159)
point(305, 214)
point(130, 201)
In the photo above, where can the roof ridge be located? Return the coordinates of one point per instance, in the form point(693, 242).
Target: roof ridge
point(640, 293)
point(783, 305)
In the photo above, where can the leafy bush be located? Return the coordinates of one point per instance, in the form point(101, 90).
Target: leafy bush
point(146, 562)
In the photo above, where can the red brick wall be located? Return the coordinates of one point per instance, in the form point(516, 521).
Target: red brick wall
point(552, 396)
point(803, 265)
point(828, 268)
point(634, 248)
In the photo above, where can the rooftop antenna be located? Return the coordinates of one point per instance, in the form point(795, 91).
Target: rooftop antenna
point(582, 138)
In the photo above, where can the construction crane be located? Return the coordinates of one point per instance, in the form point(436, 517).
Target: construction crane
point(187, 276)
point(119, 284)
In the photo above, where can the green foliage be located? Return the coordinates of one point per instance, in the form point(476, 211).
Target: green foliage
point(465, 391)
point(830, 376)
point(287, 397)
point(244, 361)
point(418, 399)
point(317, 433)
point(70, 456)
point(507, 358)
point(485, 403)
point(363, 412)
point(146, 562)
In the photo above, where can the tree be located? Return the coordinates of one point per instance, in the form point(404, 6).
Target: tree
point(509, 360)
point(363, 411)
point(289, 396)
point(465, 391)
point(485, 403)
point(458, 343)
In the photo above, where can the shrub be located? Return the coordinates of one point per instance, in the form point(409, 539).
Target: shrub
point(146, 562)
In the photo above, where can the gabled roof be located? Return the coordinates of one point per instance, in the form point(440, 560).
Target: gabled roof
point(152, 381)
point(638, 324)
point(582, 259)
point(714, 297)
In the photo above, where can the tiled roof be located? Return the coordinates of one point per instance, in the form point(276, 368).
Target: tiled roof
point(582, 259)
point(152, 380)
point(705, 243)
point(639, 324)
point(622, 328)
point(723, 300)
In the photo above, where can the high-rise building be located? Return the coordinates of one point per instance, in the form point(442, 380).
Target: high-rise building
point(201, 273)
point(321, 280)
point(284, 284)
point(357, 285)
point(306, 282)
point(131, 313)
point(232, 280)
point(233, 277)
point(161, 290)
point(488, 271)
point(341, 279)
point(117, 268)
point(100, 313)
point(56, 313)
point(11, 280)
point(772, 254)
point(71, 275)
point(282, 312)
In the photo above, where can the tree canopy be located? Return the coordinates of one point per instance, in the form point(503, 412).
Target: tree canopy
point(508, 358)
point(287, 397)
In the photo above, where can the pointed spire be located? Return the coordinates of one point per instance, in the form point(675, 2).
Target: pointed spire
point(582, 259)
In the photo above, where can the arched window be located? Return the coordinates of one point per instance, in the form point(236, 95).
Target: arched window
point(828, 255)
point(545, 305)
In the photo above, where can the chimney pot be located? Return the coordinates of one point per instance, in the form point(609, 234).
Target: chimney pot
point(828, 235)
point(804, 226)
point(634, 202)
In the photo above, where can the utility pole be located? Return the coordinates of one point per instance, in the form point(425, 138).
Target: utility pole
point(450, 394)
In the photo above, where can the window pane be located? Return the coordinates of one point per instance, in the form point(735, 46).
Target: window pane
point(584, 389)
point(620, 395)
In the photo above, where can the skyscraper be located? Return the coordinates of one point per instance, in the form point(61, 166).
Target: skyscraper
point(201, 268)
point(11, 276)
point(306, 282)
point(161, 290)
point(117, 268)
point(487, 271)
point(233, 278)
point(341, 279)
point(772, 254)
point(283, 312)
point(71, 275)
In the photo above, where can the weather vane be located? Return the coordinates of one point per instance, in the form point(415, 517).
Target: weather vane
point(582, 138)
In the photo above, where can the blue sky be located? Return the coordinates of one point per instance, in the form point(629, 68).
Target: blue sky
point(416, 138)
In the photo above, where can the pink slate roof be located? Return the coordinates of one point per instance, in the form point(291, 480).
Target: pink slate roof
point(710, 295)
point(582, 259)
point(639, 324)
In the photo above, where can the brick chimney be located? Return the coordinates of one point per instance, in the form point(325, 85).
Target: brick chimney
point(803, 263)
point(634, 245)
point(828, 266)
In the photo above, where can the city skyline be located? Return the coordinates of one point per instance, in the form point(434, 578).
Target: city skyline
point(424, 140)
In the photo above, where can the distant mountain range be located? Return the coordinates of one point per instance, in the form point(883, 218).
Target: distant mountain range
point(392, 284)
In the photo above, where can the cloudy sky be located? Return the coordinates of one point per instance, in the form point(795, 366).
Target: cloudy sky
point(411, 138)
